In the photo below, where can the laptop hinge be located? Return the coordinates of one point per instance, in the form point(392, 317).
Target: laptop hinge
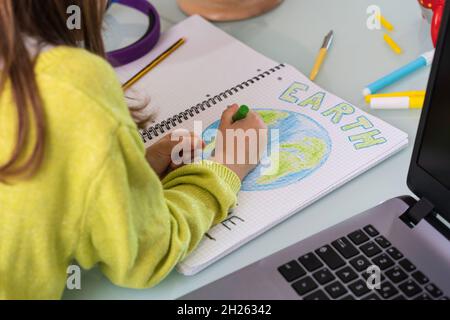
point(417, 213)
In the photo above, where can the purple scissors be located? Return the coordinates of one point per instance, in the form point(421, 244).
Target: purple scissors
point(143, 45)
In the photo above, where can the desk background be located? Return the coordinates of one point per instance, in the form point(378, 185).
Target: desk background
point(293, 33)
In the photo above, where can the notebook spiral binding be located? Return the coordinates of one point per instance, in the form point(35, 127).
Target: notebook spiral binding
point(172, 122)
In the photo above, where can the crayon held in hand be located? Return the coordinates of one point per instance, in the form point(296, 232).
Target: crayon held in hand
point(241, 114)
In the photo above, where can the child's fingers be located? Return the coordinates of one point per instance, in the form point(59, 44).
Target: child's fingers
point(189, 145)
point(256, 118)
point(190, 155)
point(196, 142)
point(188, 139)
point(227, 116)
point(179, 136)
point(136, 100)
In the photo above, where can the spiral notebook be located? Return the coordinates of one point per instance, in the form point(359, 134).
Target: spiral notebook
point(318, 141)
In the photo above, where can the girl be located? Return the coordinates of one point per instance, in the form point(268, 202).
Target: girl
point(75, 180)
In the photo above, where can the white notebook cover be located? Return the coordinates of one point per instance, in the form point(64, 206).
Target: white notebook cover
point(324, 141)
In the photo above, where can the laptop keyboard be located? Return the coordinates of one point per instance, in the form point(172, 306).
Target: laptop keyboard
point(339, 271)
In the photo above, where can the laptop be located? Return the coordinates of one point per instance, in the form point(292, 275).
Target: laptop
point(397, 250)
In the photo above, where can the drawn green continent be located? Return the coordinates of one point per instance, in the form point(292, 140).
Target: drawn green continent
point(271, 118)
point(295, 157)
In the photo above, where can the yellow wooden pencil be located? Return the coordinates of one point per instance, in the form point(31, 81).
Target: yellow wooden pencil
point(322, 54)
point(153, 64)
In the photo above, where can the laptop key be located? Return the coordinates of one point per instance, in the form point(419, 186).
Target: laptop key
point(366, 275)
point(344, 246)
point(433, 290)
point(358, 237)
point(291, 271)
point(410, 288)
point(399, 297)
point(396, 275)
point(382, 242)
point(370, 249)
point(346, 274)
point(317, 295)
point(324, 276)
point(420, 277)
point(310, 261)
point(407, 265)
point(394, 253)
point(349, 297)
point(371, 296)
point(305, 285)
point(359, 288)
point(383, 261)
point(371, 231)
point(360, 263)
point(423, 296)
point(336, 290)
point(387, 290)
point(330, 257)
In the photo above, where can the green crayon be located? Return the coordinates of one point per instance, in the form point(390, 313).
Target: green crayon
point(241, 114)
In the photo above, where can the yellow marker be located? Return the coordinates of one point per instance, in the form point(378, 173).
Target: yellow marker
point(394, 46)
point(397, 103)
point(385, 23)
point(396, 94)
point(322, 54)
point(153, 64)
point(398, 100)
point(416, 102)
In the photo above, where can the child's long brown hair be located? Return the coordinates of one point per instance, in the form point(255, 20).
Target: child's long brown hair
point(46, 22)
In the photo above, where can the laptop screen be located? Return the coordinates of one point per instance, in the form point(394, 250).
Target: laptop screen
point(434, 155)
point(429, 171)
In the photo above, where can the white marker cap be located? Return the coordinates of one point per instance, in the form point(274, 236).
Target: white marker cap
point(366, 92)
point(428, 56)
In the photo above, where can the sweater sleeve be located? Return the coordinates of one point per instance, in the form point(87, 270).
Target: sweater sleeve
point(137, 228)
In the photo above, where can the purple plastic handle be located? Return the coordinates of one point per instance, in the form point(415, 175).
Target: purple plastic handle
point(143, 46)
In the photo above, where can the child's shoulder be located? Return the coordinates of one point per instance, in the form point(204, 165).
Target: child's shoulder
point(75, 63)
point(85, 72)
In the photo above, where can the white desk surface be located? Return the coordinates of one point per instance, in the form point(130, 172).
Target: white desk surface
point(293, 34)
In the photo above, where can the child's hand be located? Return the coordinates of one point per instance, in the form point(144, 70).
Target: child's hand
point(160, 155)
point(241, 159)
point(139, 106)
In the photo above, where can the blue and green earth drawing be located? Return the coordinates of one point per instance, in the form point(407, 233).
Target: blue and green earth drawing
point(302, 144)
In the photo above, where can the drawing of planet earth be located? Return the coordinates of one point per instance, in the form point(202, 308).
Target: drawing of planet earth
point(302, 146)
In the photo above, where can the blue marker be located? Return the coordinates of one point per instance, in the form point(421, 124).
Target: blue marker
point(424, 60)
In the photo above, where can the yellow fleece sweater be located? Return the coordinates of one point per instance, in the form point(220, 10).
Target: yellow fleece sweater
point(95, 200)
